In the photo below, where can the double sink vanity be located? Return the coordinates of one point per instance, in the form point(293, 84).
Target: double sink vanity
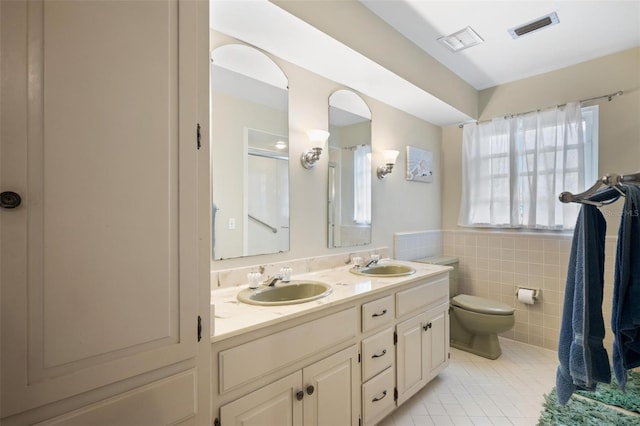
point(331, 347)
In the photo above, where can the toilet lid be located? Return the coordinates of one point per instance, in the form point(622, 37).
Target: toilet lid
point(481, 305)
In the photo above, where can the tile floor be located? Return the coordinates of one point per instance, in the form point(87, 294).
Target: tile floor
point(478, 391)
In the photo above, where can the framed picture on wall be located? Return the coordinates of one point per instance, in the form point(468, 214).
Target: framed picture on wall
point(419, 164)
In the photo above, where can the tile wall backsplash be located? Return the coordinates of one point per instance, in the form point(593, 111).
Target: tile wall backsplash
point(495, 264)
point(417, 245)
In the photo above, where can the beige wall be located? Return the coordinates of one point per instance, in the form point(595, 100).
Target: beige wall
point(397, 204)
point(493, 264)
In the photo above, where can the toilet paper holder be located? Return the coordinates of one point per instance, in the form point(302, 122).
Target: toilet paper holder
point(536, 292)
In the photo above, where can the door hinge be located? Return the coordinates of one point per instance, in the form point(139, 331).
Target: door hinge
point(359, 358)
point(449, 355)
point(359, 421)
point(199, 137)
point(199, 328)
point(395, 394)
point(395, 338)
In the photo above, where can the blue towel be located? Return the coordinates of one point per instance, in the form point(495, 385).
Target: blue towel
point(625, 316)
point(583, 358)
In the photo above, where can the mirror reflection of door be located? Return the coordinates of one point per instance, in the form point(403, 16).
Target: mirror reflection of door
point(349, 184)
point(267, 203)
point(249, 151)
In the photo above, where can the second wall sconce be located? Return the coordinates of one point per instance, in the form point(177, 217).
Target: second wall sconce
point(318, 138)
point(390, 157)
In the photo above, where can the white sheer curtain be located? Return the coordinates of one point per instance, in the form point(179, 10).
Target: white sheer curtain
point(514, 168)
point(486, 174)
point(362, 184)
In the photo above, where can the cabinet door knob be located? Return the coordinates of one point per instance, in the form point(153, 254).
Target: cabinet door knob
point(384, 393)
point(299, 395)
point(379, 314)
point(10, 200)
point(310, 390)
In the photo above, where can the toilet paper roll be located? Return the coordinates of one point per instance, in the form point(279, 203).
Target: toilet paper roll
point(526, 296)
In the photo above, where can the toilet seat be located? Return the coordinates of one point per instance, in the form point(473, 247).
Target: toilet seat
point(481, 305)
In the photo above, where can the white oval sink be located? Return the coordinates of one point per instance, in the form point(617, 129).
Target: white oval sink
point(285, 293)
point(390, 270)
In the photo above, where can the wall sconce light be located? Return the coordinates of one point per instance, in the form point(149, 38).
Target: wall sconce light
point(310, 157)
point(390, 157)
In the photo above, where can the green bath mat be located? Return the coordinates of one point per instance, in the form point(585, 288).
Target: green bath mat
point(612, 395)
point(583, 412)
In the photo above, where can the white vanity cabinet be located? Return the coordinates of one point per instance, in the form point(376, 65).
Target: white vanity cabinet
point(304, 374)
point(422, 348)
point(399, 361)
point(320, 394)
point(351, 363)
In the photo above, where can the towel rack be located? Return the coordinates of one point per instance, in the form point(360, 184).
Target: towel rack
point(611, 180)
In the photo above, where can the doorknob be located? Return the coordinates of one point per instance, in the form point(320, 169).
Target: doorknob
point(9, 200)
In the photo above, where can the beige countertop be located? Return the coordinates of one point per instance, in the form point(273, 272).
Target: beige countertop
point(233, 317)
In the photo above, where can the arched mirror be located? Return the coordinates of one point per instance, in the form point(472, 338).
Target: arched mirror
point(249, 153)
point(349, 186)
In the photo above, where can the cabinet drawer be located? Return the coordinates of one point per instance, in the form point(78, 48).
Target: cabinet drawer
point(377, 313)
point(421, 296)
point(246, 362)
point(377, 353)
point(377, 397)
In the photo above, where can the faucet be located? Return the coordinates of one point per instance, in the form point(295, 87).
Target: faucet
point(373, 261)
point(272, 281)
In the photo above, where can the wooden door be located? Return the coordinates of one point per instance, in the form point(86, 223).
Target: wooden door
point(331, 390)
point(411, 365)
point(438, 340)
point(100, 262)
point(276, 404)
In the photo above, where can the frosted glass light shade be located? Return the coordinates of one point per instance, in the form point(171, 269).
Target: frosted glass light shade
point(390, 156)
point(317, 136)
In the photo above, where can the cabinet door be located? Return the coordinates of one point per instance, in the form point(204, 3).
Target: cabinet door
point(331, 386)
point(412, 356)
point(100, 262)
point(276, 404)
point(438, 335)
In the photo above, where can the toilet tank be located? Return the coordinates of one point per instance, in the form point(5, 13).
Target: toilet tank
point(446, 261)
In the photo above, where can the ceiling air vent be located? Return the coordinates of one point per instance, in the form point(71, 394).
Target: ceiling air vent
point(535, 25)
point(460, 40)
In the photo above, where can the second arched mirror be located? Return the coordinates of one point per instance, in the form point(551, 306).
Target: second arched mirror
point(250, 153)
point(349, 185)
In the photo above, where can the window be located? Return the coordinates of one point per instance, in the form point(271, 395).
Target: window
point(514, 168)
point(362, 185)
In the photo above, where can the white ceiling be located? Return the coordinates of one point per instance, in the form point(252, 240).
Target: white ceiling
point(587, 30)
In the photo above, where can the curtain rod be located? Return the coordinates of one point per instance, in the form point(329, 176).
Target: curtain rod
point(609, 97)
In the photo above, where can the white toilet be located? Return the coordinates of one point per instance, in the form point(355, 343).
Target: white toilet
point(474, 321)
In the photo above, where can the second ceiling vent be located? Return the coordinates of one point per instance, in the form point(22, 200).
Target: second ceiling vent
point(535, 25)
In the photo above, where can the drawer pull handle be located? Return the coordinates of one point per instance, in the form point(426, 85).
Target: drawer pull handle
point(380, 314)
point(299, 395)
point(384, 393)
point(383, 353)
point(427, 326)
